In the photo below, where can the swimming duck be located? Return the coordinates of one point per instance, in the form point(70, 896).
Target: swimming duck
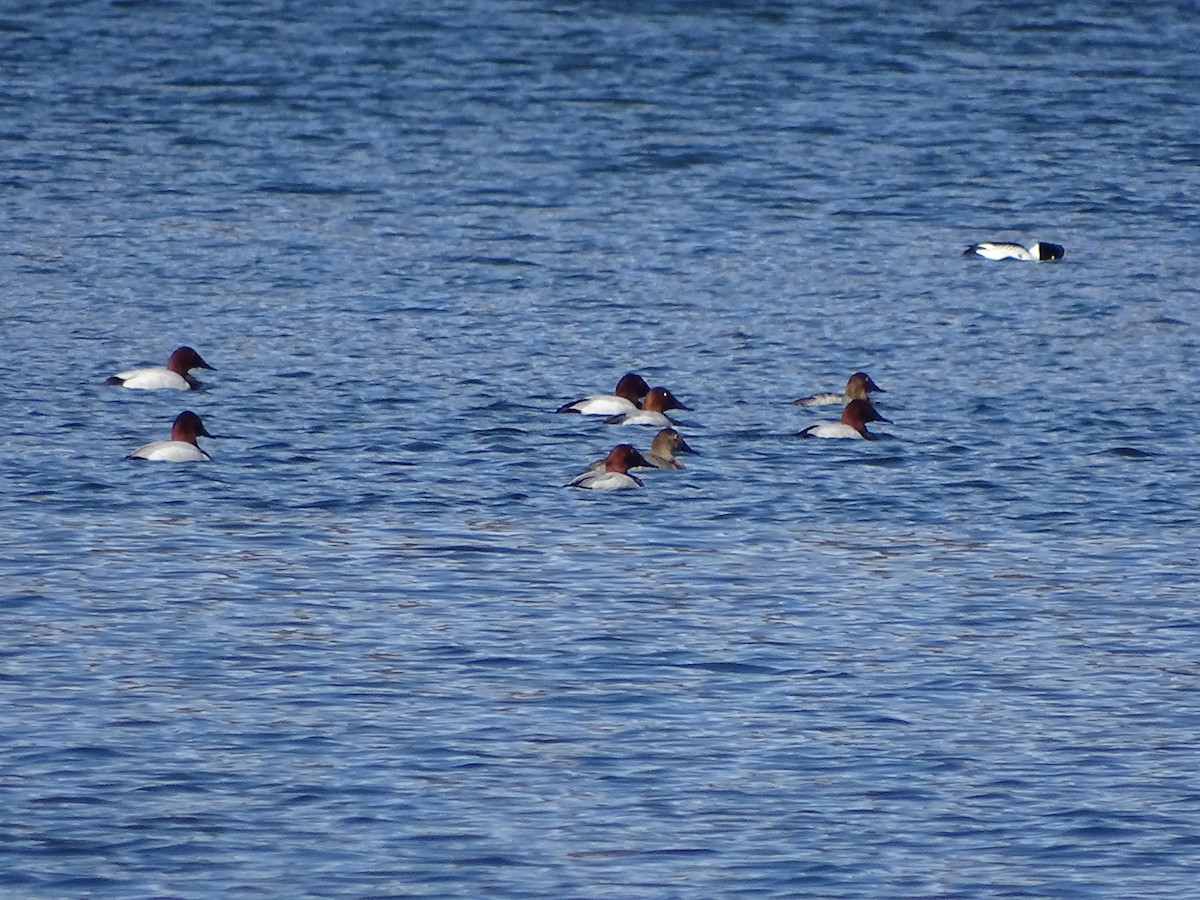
point(663, 448)
point(175, 374)
point(625, 398)
point(853, 423)
point(615, 474)
point(1038, 252)
point(859, 387)
point(653, 411)
point(182, 446)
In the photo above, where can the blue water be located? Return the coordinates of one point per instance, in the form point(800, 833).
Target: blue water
point(375, 649)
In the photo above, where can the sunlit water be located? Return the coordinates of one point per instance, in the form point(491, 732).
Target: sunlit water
point(375, 649)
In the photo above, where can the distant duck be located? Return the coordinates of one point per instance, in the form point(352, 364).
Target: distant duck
point(653, 411)
point(615, 474)
point(1039, 252)
point(182, 446)
point(663, 448)
point(853, 423)
point(625, 398)
point(175, 374)
point(858, 387)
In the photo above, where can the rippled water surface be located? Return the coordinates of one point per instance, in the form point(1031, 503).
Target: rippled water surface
point(374, 649)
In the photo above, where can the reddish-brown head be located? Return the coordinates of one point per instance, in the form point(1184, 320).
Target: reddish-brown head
point(859, 412)
point(185, 359)
point(660, 400)
point(632, 387)
point(622, 458)
point(187, 427)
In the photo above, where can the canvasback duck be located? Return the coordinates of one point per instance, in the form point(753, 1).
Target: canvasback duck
point(853, 423)
point(625, 398)
point(173, 375)
point(182, 446)
point(1038, 252)
point(615, 474)
point(859, 387)
point(663, 448)
point(653, 411)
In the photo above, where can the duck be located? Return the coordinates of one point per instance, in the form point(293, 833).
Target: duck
point(182, 446)
point(853, 423)
point(175, 374)
point(1040, 251)
point(615, 474)
point(663, 448)
point(653, 411)
point(626, 397)
point(858, 387)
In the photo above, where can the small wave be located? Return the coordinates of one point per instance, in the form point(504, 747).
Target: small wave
point(1127, 453)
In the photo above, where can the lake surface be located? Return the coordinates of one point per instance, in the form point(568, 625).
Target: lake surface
point(375, 649)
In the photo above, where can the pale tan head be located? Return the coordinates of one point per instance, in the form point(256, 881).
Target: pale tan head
point(669, 442)
point(860, 386)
